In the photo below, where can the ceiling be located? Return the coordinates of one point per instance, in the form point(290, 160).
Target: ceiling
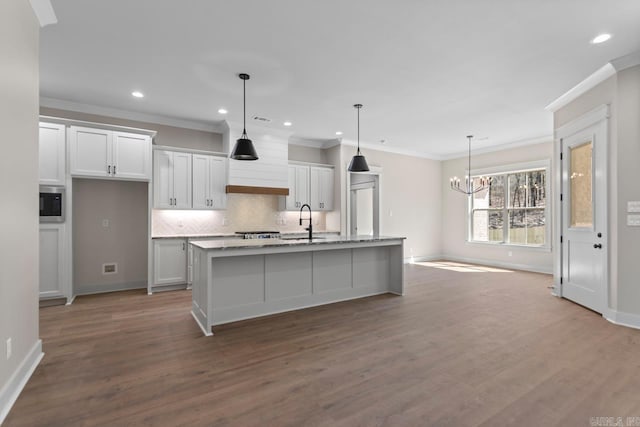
point(427, 72)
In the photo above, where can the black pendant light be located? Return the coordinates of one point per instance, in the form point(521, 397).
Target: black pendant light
point(358, 162)
point(244, 149)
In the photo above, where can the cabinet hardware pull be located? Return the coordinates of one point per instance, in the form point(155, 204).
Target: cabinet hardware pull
point(109, 169)
point(597, 246)
point(114, 169)
point(183, 246)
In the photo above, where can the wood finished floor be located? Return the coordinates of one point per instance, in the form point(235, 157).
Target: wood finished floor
point(460, 349)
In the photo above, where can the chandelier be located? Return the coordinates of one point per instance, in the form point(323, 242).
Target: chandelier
point(471, 185)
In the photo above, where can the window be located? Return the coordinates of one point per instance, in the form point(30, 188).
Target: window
point(512, 210)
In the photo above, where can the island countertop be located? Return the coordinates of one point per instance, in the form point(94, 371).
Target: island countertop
point(265, 243)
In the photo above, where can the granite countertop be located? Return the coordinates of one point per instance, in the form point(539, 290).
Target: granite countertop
point(263, 243)
point(234, 235)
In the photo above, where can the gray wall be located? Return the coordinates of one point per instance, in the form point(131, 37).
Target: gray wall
point(19, 175)
point(454, 212)
point(167, 135)
point(622, 93)
point(124, 241)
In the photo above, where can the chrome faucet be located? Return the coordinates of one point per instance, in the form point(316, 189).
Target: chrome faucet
point(310, 228)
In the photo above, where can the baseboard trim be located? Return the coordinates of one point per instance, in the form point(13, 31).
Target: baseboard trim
point(411, 260)
point(622, 318)
point(512, 266)
point(111, 287)
point(10, 392)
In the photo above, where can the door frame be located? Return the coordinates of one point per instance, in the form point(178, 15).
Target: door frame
point(596, 117)
point(377, 173)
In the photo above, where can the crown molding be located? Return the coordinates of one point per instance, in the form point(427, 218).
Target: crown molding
point(626, 61)
point(500, 147)
point(581, 88)
point(44, 12)
point(129, 115)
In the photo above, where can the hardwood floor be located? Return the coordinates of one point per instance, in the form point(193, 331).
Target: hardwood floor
point(461, 348)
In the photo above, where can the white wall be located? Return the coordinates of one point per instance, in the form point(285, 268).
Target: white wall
point(454, 213)
point(19, 214)
point(410, 196)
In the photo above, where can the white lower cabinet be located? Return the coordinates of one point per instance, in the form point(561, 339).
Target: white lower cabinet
point(52, 257)
point(169, 261)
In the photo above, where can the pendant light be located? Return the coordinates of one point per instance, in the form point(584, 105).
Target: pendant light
point(469, 187)
point(358, 162)
point(244, 149)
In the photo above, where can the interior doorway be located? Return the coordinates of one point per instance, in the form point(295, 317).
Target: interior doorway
point(364, 203)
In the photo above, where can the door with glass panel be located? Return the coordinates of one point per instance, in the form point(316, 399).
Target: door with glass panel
point(584, 251)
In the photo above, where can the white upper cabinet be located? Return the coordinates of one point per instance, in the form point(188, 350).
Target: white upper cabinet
point(171, 180)
point(209, 180)
point(321, 185)
point(99, 153)
point(298, 188)
point(52, 154)
point(309, 184)
point(131, 156)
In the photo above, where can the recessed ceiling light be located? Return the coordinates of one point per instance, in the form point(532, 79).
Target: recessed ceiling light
point(137, 94)
point(222, 111)
point(287, 123)
point(338, 133)
point(601, 38)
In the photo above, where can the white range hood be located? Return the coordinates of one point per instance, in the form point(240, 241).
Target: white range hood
point(268, 174)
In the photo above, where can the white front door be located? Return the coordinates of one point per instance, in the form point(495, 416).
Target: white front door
point(584, 250)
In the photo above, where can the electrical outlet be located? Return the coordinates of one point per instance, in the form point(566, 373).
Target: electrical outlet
point(105, 223)
point(9, 348)
point(225, 221)
point(510, 253)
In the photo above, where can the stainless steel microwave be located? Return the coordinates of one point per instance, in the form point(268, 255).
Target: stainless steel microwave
point(52, 202)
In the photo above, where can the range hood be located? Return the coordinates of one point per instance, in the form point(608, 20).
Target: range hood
point(268, 174)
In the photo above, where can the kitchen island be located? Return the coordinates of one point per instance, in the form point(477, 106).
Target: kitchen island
point(242, 279)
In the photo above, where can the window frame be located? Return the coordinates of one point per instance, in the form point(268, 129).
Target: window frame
point(505, 170)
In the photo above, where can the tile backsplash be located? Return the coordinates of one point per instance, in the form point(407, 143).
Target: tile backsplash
point(245, 212)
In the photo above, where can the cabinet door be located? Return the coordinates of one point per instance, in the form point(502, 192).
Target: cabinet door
point(288, 203)
point(162, 179)
point(51, 260)
point(169, 261)
point(182, 180)
point(302, 185)
point(131, 156)
point(52, 154)
point(326, 196)
point(201, 182)
point(315, 186)
point(217, 182)
point(90, 152)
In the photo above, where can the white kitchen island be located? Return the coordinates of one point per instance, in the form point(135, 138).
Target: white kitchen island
point(242, 279)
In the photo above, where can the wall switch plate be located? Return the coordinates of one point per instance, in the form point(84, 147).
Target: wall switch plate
point(633, 206)
point(510, 253)
point(225, 221)
point(633, 220)
point(9, 348)
point(105, 223)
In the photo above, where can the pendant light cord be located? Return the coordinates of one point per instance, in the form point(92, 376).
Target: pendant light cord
point(244, 107)
point(358, 131)
point(469, 185)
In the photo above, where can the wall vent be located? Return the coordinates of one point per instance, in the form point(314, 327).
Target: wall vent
point(110, 268)
point(261, 119)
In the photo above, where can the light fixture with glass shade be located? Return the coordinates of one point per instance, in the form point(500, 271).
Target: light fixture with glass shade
point(470, 186)
point(358, 162)
point(244, 149)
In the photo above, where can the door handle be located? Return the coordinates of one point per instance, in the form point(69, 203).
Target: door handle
point(597, 246)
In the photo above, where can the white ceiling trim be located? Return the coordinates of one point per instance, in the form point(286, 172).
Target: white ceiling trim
point(626, 61)
point(587, 84)
point(129, 115)
point(389, 149)
point(493, 148)
point(44, 12)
